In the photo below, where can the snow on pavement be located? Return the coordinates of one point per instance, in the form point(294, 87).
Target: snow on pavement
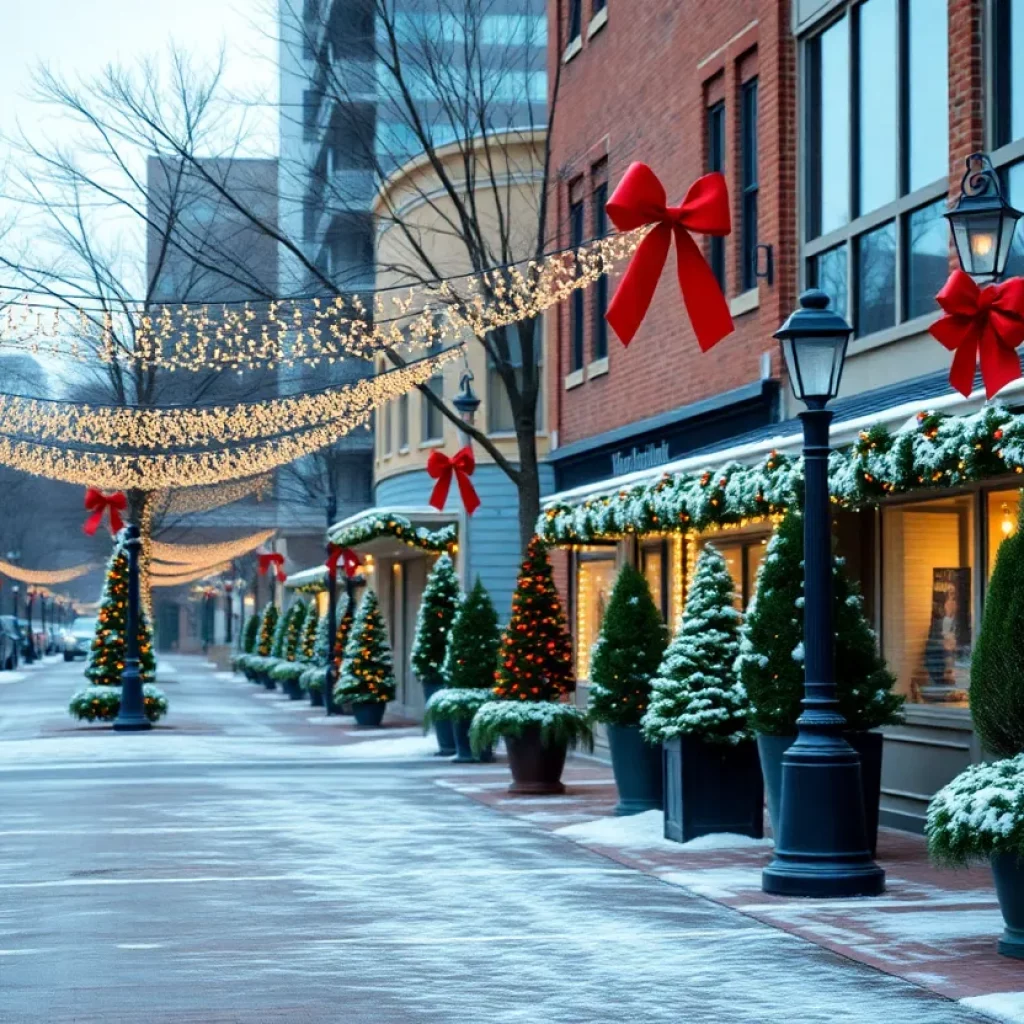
point(646, 832)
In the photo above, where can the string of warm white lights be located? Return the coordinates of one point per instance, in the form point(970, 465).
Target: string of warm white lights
point(179, 579)
point(313, 331)
point(43, 576)
point(134, 428)
point(127, 471)
point(207, 554)
point(203, 499)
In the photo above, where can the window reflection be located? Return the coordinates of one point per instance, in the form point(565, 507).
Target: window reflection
point(1008, 43)
point(877, 95)
point(652, 567)
point(829, 274)
point(928, 102)
point(927, 247)
point(1015, 194)
point(1003, 508)
point(832, 114)
point(876, 270)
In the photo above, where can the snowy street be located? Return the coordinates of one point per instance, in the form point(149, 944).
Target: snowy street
point(240, 865)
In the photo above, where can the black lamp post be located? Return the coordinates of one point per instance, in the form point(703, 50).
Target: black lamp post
point(332, 612)
point(982, 222)
point(31, 655)
point(131, 717)
point(42, 625)
point(466, 405)
point(15, 591)
point(821, 847)
point(229, 610)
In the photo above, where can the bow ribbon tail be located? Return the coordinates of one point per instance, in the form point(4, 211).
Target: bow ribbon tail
point(116, 522)
point(702, 295)
point(470, 499)
point(92, 524)
point(999, 364)
point(439, 495)
point(636, 290)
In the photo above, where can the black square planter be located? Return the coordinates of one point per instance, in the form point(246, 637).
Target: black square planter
point(712, 787)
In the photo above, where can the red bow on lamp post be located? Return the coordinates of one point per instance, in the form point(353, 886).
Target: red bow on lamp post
point(441, 468)
point(981, 325)
point(266, 561)
point(98, 504)
point(640, 199)
point(349, 559)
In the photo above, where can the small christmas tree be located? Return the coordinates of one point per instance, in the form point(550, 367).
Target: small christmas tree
point(627, 653)
point(367, 676)
point(251, 634)
point(293, 631)
point(310, 631)
point(535, 657)
point(268, 627)
point(771, 660)
point(107, 654)
point(472, 650)
point(437, 610)
point(696, 691)
point(280, 631)
point(341, 634)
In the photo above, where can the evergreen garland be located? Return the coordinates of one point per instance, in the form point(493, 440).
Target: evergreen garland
point(771, 660)
point(438, 606)
point(367, 676)
point(628, 650)
point(107, 653)
point(697, 692)
point(535, 656)
point(371, 527)
point(251, 634)
point(268, 626)
point(472, 651)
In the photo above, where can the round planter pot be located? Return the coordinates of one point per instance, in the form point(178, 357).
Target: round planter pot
point(637, 768)
point(867, 744)
point(269, 683)
point(293, 690)
point(1008, 872)
point(369, 715)
point(444, 731)
point(316, 698)
point(463, 748)
point(536, 768)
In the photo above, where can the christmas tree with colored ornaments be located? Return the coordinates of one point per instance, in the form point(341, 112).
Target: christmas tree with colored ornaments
point(535, 656)
point(251, 634)
point(367, 676)
point(342, 632)
point(293, 630)
point(268, 627)
point(309, 634)
point(107, 654)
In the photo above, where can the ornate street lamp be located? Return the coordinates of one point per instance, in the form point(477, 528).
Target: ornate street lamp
point(466, 405)
point(132, 714)
point(983, 222)
point(821, 847)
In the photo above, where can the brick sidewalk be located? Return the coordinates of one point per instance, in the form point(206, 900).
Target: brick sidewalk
point(937, 929)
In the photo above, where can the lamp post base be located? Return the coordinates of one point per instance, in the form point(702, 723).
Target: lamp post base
point(131, 716)
point(821, 849)
point(131, 724)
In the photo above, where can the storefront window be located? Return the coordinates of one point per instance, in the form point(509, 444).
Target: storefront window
point(595, 577)
point(652, 565)
point(743, 557)
point(929, 589)
point(1002, 521)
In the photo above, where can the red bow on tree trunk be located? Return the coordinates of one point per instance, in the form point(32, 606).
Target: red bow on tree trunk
point(349, 559)
point(266, 561)
point(641, 199)
point(981, 325)
point(441, 468)
point(99, 503)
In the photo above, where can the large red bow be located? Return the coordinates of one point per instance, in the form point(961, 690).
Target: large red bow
point(640, 199)
point(441, 468)
point(348, 558)
point(981, 325)
point(99, 503)
point(266, 561)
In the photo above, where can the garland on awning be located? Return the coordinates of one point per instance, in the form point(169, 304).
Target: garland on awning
point(44, 576)
point(395, 526)
point(935, 452)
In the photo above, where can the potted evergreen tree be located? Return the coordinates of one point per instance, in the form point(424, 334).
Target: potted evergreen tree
point(980, 815)
point(534, 676)
point(440, 602)
point(771, 667)
point(261, 663)
point(698, 710)
point(289, 668)
point(626, 655)
point(248, 645)
point(367, 680)
point(468, 670)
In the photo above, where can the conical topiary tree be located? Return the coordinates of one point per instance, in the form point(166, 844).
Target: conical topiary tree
point(367, 675)
point(997, 666)
point(696, 691)
point(627, 652)
point(771, 660)
point(251, 634)
point(342, 632)
point(309, 634)
point(472, 650)
point(280, 631)
point(535, 656)
point(293, 631)
point(434, 619)
point(107, 654)
point(268, 627)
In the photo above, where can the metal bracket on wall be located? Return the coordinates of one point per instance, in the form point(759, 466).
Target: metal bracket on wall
point(764, 263)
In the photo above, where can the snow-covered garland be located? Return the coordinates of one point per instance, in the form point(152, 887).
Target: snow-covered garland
point(398, 527)
point(936, 451)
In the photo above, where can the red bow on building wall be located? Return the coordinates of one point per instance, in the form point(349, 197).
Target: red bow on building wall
point(266, 561)
point(99, 503)
point(349, 559)
point(641, 199)
point(441, 468)
point(981, 325)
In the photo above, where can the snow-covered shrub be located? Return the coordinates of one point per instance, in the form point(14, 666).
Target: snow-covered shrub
point(454, 704)
point(696, 691)
point(97, 703)
point(559, 723)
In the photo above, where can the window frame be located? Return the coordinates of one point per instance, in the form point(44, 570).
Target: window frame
point(574, 20)
point(749, 174)
point(435, 384)
point(577, 301)
point(599, 303)
point(897, 210)
point(403, 422)
point(714, 160)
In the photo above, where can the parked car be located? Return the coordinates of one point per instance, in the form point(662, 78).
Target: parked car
point(77, 638)
point(23, 634)
point(10, 642)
